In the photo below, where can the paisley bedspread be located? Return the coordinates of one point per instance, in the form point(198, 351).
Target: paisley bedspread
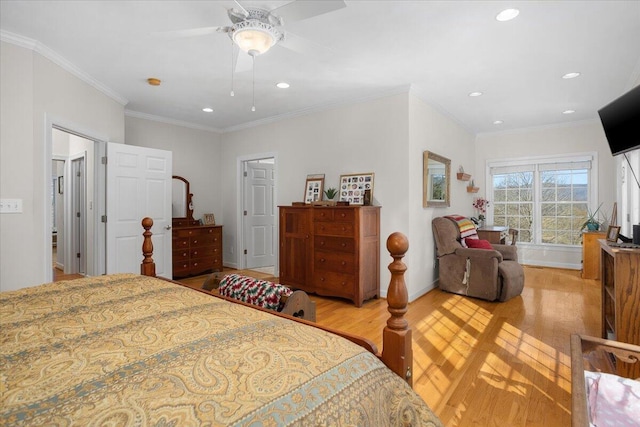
point(127, 350)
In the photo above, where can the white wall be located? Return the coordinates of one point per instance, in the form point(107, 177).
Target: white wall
point(34, 89)
point(386, 136)
point(358, 138)
point(430, 130)
point(196, 157)
point(580, 137)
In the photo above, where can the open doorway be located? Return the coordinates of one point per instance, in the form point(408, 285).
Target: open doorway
point(72, 205)
point(258, 216)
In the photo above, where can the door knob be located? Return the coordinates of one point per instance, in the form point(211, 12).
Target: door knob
point(168, 227)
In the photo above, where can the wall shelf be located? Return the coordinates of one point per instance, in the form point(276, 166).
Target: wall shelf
point(473, 189)
point(463, 176)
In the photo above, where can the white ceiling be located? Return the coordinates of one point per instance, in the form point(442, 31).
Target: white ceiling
point(443, 50)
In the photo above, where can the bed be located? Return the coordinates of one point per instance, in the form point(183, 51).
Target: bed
point(605, 388)
point(131, 349)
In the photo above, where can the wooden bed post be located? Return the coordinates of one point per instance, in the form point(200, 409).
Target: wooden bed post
point(148, 267)
point(397, 353)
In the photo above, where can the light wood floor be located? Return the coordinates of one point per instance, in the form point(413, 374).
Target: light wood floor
point(478, 363)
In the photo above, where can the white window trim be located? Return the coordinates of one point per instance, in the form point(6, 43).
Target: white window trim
point(522, 161)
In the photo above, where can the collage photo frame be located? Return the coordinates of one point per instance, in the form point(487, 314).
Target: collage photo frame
point(353, 188)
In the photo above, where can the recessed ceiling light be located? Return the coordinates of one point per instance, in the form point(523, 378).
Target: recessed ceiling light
point(153, 81)
point(507, 15)
point(207, 110)
point(568, 111)
point(498, 122)
point(283, 85)
point(475, 94)
point(571, 75)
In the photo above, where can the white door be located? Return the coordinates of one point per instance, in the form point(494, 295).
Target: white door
point(259, 213)
point(138, 186)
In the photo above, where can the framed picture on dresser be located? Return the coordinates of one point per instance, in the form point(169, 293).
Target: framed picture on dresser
point(612, 233)
point(353, 187)
point(314, 188)
point(208, 219)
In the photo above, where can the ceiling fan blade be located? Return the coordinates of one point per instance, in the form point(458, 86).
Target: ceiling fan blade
point(299, 10)
point(191, 32)
point(304, 46)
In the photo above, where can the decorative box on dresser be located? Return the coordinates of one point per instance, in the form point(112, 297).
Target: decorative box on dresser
point(620, 276)
point(197, 249)
point(331, 251)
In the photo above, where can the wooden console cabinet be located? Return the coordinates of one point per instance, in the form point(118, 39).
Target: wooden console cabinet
point(331, 251)
point(620, 279)
point(591, 254)
point(197, 249)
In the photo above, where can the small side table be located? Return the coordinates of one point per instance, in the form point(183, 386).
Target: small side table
point(494, 233)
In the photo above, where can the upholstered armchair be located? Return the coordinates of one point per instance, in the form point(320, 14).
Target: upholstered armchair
point(490, 274)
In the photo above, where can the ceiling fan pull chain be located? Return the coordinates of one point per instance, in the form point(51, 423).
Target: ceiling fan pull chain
point(232, 73)
point(253, 60)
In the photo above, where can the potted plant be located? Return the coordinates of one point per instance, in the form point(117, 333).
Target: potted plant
point(330, 193)
point(592, 223)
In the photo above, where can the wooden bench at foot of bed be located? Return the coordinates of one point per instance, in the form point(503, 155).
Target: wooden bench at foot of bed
point(397, 353)
point(263, 293)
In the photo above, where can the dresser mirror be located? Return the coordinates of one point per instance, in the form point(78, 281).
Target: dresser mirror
point(181, 202)
point(436, 173)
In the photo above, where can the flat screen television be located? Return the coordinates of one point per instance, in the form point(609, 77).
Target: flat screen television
point(621, 122)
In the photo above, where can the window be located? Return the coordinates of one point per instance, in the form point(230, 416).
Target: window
point(545, 200)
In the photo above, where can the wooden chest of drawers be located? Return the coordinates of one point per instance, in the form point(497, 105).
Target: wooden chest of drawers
point(196, 250)
point(331, 251)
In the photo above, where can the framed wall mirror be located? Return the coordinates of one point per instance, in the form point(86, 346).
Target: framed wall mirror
point(181, 199)
point(436, 177)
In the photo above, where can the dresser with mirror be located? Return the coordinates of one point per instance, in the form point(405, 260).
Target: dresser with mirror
point(197, 248)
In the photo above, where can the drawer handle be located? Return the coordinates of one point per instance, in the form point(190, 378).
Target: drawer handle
point(322, 279)
point(195, 241)
point(184, 254)
point(184, 265)
point(344, 228)
point(195, 252)
point(344, 263)
point(344, 283)
point(322, 243)
point(210, 231)
point(343, 244)
point(321, 259)
point(195, 264)
point(342, 215)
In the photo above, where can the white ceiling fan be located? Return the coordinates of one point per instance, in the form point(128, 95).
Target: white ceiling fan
point(255, 30)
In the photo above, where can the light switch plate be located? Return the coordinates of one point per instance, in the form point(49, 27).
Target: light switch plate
point(10, 205)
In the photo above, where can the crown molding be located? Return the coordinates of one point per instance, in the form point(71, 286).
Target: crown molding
point(318, 108)
point(166, 120)
point(63, 63)
point(541, 127)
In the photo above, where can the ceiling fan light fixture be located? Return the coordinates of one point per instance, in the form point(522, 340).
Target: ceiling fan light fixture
point(253, 35)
